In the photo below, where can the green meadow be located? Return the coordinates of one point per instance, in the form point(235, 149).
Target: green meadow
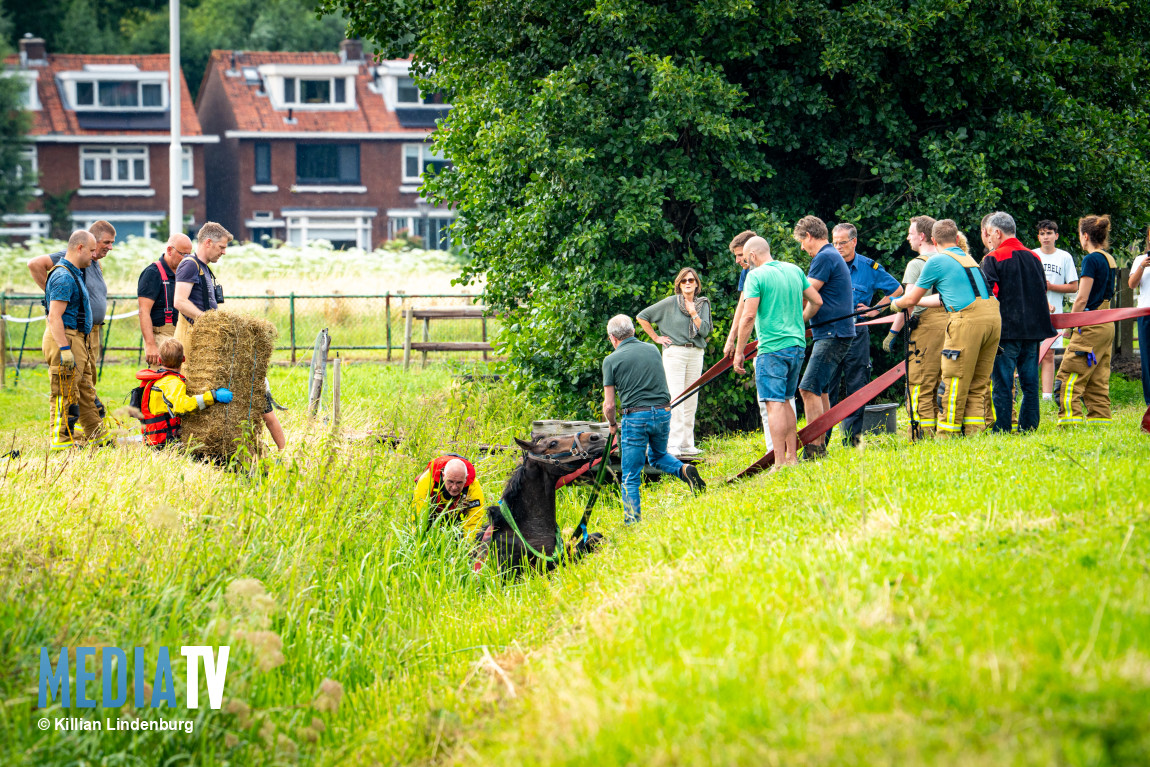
point(976, 601)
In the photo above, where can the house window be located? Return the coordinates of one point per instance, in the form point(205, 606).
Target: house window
point(417, 158)
point(407, 92)
point(341, 228)
point(263, 163)
point(27, 162)
point(187, 169)
point(315, 91)
point(114, 166)
point(119, 94)
point(327, 164)
point(434, 230)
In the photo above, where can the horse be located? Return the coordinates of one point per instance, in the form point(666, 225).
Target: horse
point(522, 529)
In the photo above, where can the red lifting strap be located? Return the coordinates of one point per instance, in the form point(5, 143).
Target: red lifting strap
point(567, 479)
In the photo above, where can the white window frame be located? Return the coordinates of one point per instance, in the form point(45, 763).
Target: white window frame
point(132, 152)
point(400, 219)
point(302, 221)
point(71, 79)
point(31, 79)
point(33, 164)
point(274, 75)
point(151, 221)
point(424, 153)
point(34, 226)
point(186, 156)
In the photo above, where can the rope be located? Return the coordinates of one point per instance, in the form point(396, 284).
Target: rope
point(581, 529)
point(510, 519)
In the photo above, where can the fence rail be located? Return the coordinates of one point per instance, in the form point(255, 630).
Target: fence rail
point(369, 326)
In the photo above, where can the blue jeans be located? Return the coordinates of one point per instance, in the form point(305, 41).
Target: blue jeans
point(1024, 356)
point(644, 438)
point(855, 371)
point(827, 355)
point(1144, 352)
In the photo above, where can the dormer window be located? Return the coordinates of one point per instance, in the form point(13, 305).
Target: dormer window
point(29, 96)
point(315, 91)
point(143, 93)
point(407, 92)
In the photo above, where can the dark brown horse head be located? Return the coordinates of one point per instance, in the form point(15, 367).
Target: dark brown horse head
point(565, 452)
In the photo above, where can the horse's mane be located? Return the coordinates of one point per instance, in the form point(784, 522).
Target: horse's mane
point(514, 485)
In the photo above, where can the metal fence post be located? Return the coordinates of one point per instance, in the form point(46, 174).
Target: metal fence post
point(23, 342)
point(291, 321)
point(3, 339)
point(107, 337)
point(407, 339)
point(387, 321)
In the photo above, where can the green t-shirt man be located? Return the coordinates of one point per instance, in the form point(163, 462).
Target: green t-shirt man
point(779, 322)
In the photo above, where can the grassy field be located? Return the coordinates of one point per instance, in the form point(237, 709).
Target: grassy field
point(260, 281)
point(979, 601)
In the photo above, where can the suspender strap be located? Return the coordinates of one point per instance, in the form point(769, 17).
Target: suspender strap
point(169, 315)
point(80, 313)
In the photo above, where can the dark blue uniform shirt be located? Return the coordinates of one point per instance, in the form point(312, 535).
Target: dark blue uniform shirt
point(867, 277)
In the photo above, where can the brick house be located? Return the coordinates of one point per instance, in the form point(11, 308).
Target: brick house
point(100, 126)
point(319, 146)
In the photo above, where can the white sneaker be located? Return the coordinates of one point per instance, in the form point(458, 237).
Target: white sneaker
point(690, 451)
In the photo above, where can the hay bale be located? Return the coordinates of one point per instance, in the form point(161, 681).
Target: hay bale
point(230, 350)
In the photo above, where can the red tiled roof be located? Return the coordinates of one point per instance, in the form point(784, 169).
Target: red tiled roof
point(256, 113)
point(53, 119)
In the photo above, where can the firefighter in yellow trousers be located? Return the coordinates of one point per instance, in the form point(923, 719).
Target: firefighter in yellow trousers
point(71, 363)
point(972, 332)
point(1084, 375)
point(926, 330)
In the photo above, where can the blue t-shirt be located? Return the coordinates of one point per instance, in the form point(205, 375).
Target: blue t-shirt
point(867, 277)
point(1096, 267)
point(743, 279)
point(61, 287)
point(949, 278)
point(829, 268)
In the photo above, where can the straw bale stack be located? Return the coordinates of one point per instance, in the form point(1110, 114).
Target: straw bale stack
point(230, 350)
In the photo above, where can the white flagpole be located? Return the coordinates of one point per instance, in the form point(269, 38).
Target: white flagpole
point(175, 153)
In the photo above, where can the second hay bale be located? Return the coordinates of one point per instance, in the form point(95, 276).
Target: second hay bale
point(230, 350)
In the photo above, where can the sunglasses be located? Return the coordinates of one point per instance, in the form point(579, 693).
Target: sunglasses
point(687, 280)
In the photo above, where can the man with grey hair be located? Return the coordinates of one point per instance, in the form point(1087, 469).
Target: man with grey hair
point(635, 370)
point(867, 278)
point(1014, 273)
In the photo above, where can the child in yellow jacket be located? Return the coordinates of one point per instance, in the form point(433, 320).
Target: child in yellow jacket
point(165, 397)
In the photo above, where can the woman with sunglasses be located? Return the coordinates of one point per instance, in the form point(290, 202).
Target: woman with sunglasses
point(684, 322)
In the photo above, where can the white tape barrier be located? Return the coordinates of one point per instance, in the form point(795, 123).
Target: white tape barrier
point(41, 318)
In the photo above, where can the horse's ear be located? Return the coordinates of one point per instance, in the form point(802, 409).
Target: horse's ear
point(528, 446)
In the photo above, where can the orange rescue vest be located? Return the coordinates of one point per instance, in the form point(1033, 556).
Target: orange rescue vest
point(157, 428)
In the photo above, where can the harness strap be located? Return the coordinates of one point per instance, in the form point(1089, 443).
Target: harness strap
point(505, 512)
point(165, 281)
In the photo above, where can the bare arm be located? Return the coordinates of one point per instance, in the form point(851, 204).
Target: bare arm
point(38, 267)
point(1069, 287)
point(1135, 274)
point(812, 301)
point(182, 300)
point(650, 331)
point(56, 322)
point(746, 322)
point(609, 406)
point(151, 352)
point(816, 284)
point(733, 333)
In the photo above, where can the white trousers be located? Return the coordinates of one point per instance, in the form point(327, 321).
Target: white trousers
point(766, 428)
point(682, 365)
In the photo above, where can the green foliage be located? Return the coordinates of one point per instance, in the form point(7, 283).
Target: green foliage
point(57, 206)
point(597, 147)
point(16, 179)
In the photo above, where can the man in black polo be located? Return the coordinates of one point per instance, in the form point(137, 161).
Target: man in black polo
point(635, 369)
point(156, 296)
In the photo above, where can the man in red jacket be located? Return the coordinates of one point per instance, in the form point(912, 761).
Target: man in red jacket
point(1016, 276)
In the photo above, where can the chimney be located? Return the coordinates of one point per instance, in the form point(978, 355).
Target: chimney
point(351, 51)
point(33, 52)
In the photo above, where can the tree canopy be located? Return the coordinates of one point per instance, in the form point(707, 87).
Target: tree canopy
point(16, 180)
point(599, 145)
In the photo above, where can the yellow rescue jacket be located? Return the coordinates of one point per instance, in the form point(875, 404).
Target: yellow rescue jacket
point(170, 392)
point(431, 499)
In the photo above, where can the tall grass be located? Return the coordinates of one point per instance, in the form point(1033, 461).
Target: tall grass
point(973, 601)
